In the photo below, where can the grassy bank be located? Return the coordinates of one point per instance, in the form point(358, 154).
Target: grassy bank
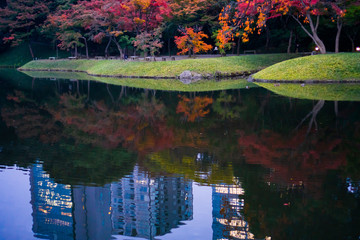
point(338, 67)
point(18, 56)
point(156, 84)
point(330, 92)
point(236, 64)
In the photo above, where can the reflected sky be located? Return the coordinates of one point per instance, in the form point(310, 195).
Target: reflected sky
point(100, 162)
point(15, 211)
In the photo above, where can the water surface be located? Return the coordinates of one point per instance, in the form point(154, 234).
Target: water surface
point(87, 160)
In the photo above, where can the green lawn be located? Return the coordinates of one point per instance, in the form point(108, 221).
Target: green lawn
point(235, 64)
point(157, 84)
point(330, 92)
point(342, 66)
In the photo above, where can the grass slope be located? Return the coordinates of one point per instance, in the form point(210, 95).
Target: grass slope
point(156, 84)
point(342, 66)
point(234, 64)
point(330, 92)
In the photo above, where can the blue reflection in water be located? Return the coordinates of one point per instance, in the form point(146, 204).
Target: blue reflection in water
point(227, 204)
point(52, 206)
point(137, 206)
point(15, 207)
point(147, 207)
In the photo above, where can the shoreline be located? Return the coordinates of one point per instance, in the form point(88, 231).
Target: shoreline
point(217, 75)
point(330, 81)
point(202, 68)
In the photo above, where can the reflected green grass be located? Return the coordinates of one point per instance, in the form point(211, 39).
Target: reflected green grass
point(156, 84)
point(330, 92)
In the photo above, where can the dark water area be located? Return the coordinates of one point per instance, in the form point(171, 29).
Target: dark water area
point(87, 160)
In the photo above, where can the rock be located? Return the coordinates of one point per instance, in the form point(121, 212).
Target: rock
point(185, 74)
point(188, 77)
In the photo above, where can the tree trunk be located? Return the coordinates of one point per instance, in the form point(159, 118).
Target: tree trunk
point(77, 87)
point(118, 47)
point(169, 47)
point(238, 46)
point(319, 43)
point(111, 96)
point(290, 42)
point(31, 51)
point(76, 51)
point(337, 39)
point(316, 109)
point(336, 108)
point(86, 48)
point(88, 97)
point(315, 36)
point(107, 47)
point(267, 38)
point(352, 42)
point(121, 94)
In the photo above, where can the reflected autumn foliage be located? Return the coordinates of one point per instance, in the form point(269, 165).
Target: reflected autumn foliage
point(137, 127)
point(195, 108)
point(294, 159)
point(152, 127)
point(29, 119)
point(290, 174)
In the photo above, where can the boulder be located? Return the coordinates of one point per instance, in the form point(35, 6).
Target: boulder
point(188, 77)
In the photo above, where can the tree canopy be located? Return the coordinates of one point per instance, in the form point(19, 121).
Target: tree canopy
point(153, 24)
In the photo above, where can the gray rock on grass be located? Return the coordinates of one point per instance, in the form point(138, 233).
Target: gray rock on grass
point(188, 77)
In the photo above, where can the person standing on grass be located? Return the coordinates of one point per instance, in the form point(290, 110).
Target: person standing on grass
point(215, 50)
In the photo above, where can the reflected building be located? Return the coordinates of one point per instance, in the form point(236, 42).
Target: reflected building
point(148, 207)
point(65, 212)
point(227, 220)
point(137, 205)
point(92, 212)
point(52, 206)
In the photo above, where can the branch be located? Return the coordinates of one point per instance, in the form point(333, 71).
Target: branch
point(303, 27)
point(311, 23)
point(317, 22)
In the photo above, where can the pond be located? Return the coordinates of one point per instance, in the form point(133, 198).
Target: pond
point(88, 160)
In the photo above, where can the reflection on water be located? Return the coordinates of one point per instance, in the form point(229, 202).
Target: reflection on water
point(52, 205)
point(148, 207)
point(136, 205)
point(114, 162)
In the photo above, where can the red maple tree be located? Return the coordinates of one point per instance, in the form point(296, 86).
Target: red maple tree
point(191, 41)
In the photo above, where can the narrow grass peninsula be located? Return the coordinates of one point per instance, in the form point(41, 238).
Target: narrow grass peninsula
point(207, 67)
point(155, 84)
point(324, 67)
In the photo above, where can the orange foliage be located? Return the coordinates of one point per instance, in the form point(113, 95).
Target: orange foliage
point(193, 108)
point(188, 8)
point(251, 15)
point(191, 41)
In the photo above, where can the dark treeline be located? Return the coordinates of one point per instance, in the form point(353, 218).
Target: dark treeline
point(133, 27)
